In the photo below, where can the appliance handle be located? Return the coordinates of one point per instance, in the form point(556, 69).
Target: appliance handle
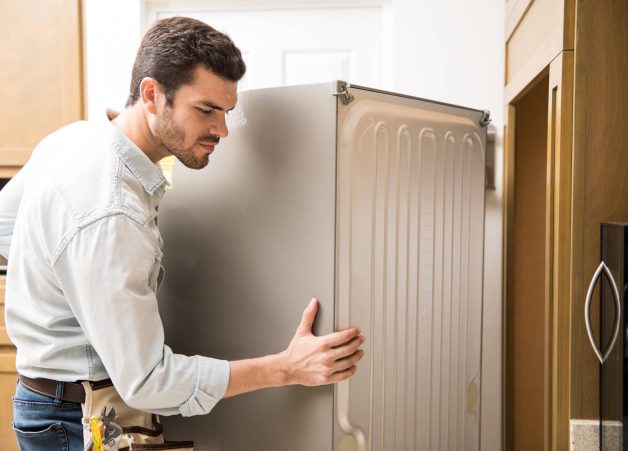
point(602, 268)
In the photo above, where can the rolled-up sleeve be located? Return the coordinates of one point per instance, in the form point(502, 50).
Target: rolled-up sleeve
point(105, 272)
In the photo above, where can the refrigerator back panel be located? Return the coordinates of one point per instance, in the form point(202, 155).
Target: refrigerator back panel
point(376, 207)
point(410, 235)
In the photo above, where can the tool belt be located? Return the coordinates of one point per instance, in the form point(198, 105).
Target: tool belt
point(141, 430)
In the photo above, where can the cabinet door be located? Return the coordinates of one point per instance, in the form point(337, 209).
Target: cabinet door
point(8, 377)
point(41, 63)
point(600, 174)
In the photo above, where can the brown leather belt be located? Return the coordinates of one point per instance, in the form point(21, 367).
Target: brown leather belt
point(72, 391)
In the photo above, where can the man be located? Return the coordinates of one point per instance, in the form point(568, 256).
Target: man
point(85, 252)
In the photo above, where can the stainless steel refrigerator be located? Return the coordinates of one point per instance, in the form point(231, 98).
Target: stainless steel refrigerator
point(374, 203)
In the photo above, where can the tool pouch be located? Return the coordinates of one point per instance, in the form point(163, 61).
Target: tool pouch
point(140, 430)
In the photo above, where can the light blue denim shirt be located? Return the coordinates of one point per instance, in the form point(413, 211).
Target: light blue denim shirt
point(78, 225)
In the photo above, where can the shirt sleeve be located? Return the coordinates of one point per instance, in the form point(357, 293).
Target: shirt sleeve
point(10, 198)
point(104, 272)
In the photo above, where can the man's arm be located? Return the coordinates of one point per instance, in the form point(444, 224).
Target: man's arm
point(104, 274)
point(308, 360)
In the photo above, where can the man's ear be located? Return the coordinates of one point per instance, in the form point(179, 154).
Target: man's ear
point(149, 92)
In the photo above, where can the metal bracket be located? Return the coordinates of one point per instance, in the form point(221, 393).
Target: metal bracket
point(486, 118)
point(342, 91)
point(490, 157)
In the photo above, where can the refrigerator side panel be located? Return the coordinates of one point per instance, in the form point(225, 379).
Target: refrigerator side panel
point(247, 242)
point(410, 231)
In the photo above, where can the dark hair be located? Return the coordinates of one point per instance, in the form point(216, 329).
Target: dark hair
point(172, 49)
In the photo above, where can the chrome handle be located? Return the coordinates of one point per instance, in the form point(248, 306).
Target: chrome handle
point(587, 314)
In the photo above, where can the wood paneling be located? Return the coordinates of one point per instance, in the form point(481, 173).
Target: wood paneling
point(536, 34)
point(42, 63)
point(8, 377)
point(600, 178)
point(5, 342)
point(515, 11)
point(558, 277)
point(527, 317)
point(586, 184)
point(508, 274)
point(12, 159)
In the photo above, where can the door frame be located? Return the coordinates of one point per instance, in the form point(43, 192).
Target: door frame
point(559, 244)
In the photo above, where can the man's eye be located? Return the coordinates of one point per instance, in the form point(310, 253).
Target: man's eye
point(205, 111)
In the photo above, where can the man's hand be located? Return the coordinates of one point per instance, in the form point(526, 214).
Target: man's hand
point(308, 360)
point(311, 360)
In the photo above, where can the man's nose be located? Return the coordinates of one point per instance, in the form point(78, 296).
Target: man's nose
point(219, 127)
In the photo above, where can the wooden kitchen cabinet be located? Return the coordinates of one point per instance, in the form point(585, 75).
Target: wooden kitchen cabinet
point(600, 164)
point(8, 377)
point(41, 62)
point(536, 32)
point(583, 182)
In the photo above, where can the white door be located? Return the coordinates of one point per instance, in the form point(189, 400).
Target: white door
point(294, 45)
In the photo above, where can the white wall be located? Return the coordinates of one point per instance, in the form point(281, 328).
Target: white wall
point(446, 50)
point(112, 34)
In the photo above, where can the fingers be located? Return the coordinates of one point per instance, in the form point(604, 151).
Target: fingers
point(309, 314)
point(341, 337)
point(348, 348)
point(347, 362)
point(343, 375)
point(312, 361)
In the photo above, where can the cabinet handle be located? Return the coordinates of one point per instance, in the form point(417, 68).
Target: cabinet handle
point(587, 311)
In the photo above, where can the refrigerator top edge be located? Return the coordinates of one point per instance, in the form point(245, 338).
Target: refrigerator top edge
point(339, 88)
point(329, 86)
point(407, 96)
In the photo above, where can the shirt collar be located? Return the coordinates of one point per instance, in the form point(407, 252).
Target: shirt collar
point(148, 173)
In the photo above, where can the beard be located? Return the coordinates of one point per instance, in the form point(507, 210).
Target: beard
point(170, 136)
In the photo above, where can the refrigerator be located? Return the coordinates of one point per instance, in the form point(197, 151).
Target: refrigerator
point(371, 201)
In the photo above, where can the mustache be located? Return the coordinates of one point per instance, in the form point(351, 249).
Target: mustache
point(212, 139)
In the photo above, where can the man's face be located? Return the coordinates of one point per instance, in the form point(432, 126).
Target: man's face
point(193, 125)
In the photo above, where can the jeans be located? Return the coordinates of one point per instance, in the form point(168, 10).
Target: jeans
point(44, 423)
